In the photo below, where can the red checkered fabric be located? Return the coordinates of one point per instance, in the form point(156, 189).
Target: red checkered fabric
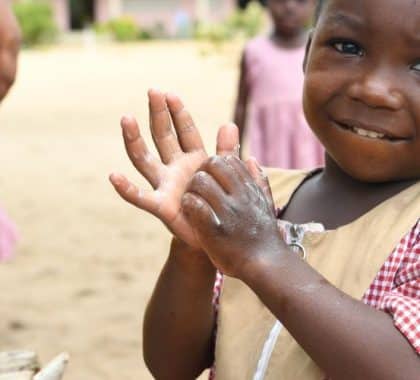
point(216, 302)
point(395, 289)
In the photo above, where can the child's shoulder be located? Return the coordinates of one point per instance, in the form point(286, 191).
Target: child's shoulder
point(258, 44)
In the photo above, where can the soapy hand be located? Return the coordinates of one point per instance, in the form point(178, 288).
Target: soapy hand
point(181, 153)
point(230, 207)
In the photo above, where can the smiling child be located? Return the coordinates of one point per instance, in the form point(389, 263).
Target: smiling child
point(326, 285)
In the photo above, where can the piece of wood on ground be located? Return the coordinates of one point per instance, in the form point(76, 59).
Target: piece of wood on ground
point(54, 370)
point(22, 375)
point(16, 361)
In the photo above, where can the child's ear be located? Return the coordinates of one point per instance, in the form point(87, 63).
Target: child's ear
point(307, 48)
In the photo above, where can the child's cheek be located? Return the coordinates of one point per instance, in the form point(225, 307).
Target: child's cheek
point(313, 98)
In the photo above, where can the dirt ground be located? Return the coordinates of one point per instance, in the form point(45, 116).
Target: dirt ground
point(86, 261)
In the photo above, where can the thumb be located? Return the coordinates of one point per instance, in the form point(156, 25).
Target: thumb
point(228, 140)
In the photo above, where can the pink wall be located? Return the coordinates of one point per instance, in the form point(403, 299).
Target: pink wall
point(168, 17)
point(107, 9)
point(101, 10)
point(61, 11)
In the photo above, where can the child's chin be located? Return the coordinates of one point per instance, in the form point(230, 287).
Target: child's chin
point(376, 175)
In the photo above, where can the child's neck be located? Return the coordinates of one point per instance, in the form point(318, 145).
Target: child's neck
point(334, 176)
point(332, 190)
point(291, 41)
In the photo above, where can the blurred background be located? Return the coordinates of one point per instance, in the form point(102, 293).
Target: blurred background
point(86, 262)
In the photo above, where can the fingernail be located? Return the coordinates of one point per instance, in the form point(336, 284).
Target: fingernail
point(154, 91)
point(126, 119)
point(237, 149)
point(115, 179)
point(127, 134)
point(123, 120)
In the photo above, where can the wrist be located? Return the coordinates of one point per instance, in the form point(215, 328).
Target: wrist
point(190, 259)
point(255, 270)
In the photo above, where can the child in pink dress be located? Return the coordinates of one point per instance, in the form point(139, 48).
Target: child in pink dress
point(9, 48)
point(270, 91)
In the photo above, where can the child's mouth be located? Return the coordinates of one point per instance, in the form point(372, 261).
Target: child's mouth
point(364, 132)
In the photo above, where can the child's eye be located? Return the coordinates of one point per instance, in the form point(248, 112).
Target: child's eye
point(416, 67)
point(347, 47)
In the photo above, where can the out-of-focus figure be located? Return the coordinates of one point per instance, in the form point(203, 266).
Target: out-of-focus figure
point(9, 49)
point(269, 98)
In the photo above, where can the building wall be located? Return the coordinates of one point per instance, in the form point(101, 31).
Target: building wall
point(61, 12)
point(149, 13)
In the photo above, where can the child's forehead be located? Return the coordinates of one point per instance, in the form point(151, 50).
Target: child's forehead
point(385, 14)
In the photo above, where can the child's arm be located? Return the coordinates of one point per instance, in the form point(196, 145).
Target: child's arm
point(178, 329)
point(237, 229)
point(240, 115)
point(178, 325)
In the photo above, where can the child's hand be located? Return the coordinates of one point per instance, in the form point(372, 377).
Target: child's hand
point(232, 214)
point(181, 152)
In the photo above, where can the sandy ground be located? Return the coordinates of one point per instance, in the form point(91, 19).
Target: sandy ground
point(87, 262)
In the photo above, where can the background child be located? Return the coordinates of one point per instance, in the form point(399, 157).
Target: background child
point(351, 308)
point(9, 48)
point(270, 91)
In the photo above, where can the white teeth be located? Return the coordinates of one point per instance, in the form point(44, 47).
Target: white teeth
point(370, 134)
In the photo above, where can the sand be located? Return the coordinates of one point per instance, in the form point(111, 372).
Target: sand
point(87, 261)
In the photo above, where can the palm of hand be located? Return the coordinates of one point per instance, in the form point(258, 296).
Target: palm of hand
point(175, 179)
point(181, 152)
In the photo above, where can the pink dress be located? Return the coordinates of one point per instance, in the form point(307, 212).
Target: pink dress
point(8, 237)
point(278, 133)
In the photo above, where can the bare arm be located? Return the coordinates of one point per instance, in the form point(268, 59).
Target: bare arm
point(346, 338)
point(240, 116)
point(179, 321)
point(237, 228)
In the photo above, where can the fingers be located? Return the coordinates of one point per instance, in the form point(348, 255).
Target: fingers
point(228, 140)
point(160, 123)
point(199, 213)
point(207, 187)
point(261, 180)
point(247, 187)
point(219, 168)
point(138, 153)
point(239, 169)
point(146, 200)
point(188, 136)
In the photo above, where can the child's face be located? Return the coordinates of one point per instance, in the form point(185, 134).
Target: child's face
point(9, 47)
point(290, 16)
point(362, 87)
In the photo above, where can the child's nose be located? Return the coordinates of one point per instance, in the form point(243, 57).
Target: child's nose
point(377, 89)
point(290, 5)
